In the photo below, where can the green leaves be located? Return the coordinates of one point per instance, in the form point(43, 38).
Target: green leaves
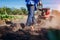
point(5, 12)
point(13, 11)
point(24, 11)
point(4, 16)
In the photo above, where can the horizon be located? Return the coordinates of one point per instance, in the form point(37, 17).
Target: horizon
point(52, 4)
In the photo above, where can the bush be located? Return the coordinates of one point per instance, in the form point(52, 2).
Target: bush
point(4, 17)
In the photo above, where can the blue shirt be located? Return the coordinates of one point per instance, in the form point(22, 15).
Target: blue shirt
point(32, 1)
point(36, 1)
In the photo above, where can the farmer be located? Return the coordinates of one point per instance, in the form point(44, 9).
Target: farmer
point(31, 6)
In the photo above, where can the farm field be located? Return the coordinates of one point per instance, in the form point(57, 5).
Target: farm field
point(16, 31)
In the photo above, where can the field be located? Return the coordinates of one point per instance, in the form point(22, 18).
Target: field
point(17, 30)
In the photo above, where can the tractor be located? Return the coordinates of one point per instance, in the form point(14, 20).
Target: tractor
point(43, 13)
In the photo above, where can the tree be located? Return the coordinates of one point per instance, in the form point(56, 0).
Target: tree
point(5, 10)
point(9, 11)
point(24, 10)
point(17, 11)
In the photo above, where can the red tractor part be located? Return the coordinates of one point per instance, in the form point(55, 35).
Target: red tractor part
point(45, 12)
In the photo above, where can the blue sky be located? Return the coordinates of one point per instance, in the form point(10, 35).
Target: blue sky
point(53, 4)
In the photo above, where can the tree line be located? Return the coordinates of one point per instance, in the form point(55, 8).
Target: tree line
point(13, 11)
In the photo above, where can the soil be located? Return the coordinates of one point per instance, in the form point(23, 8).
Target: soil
point(18, 31)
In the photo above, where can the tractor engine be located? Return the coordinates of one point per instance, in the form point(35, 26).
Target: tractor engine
point(45, 13)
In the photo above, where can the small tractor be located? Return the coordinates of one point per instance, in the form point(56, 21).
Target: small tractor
point(43, 13)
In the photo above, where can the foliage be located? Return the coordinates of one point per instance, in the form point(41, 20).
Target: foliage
point(4, 17)
point(14, 11)
point(24, 11)
point(5, 12)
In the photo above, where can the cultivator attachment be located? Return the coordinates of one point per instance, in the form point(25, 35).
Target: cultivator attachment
point(43, 12)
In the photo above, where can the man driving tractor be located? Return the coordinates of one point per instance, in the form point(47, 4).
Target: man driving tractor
point(32, 5)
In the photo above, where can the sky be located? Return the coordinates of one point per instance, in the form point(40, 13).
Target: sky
point(53, 4)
